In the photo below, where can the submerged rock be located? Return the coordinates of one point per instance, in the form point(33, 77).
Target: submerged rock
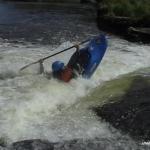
point(131, 112)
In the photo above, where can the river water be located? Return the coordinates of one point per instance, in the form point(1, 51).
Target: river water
point(33, 107)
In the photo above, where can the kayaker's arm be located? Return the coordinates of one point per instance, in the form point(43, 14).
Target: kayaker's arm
point(41, 66)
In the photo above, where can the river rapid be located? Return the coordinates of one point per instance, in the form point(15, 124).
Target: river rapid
point(34, 107)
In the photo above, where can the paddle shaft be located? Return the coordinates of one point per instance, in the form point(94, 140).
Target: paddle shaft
point(53, 54)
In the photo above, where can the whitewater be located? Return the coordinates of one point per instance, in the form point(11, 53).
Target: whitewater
point(30, 103)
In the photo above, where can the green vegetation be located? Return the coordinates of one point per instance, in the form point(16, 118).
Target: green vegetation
point(127, 8)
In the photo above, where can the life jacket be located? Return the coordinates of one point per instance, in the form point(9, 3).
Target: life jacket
point(66, 74)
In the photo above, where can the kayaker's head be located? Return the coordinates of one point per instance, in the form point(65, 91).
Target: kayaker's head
point(57, 66)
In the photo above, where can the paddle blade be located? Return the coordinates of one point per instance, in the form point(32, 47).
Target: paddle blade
point(33, 68)
point(28, 65)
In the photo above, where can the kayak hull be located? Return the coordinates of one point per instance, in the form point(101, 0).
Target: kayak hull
point(96, 48)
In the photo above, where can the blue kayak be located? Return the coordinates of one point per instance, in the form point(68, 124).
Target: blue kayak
point(83, 62)
point(94, 51)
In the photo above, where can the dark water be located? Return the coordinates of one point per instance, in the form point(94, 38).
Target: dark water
point(46, 23)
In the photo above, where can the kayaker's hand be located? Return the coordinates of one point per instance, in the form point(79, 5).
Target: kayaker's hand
point(77, 47)
point(41, 61)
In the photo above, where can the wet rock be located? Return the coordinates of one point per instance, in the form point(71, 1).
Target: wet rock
point(32, 145)
point(116, 21)
point(139, 34)
point(133, 29)
point(115, 24)
point(131, 114)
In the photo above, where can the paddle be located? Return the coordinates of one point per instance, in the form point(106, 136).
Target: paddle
point(42, 59)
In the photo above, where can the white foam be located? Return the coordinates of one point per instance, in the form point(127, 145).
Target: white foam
point(146, 143)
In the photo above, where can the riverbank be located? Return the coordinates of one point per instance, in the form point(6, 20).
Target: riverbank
point(119, 16)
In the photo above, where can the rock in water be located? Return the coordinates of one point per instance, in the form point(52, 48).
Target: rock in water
point(131, 114)
point(139, 34)
point(32, 145)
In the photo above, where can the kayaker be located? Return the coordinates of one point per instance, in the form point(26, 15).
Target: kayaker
point(61, 72)
point(83, 62)
point(73, 69)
